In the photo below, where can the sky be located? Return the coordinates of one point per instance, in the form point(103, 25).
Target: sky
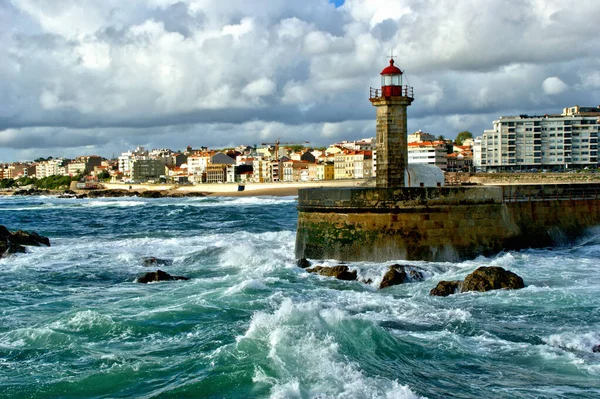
point(100, 77)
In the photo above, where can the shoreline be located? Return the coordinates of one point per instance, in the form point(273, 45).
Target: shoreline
point(201, 190)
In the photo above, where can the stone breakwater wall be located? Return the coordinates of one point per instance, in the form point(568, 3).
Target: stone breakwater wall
point(440, 224)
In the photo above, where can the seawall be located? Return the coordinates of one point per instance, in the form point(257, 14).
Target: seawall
point(440, 224)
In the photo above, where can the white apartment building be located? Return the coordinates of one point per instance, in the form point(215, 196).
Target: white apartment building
point(560, 141)
point(429, 153)
point(50, 168)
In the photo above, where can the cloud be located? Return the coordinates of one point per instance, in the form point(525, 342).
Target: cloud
point(553, 85)
point(165, 73)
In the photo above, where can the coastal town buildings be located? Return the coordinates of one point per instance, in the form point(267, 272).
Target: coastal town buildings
point(553, 142)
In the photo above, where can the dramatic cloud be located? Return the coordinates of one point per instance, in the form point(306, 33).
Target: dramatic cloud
point(86, 76)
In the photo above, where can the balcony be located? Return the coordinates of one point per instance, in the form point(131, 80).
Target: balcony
point(391, 91)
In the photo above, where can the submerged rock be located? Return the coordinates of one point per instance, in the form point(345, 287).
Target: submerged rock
point(596, 349)
point(491, 278)
point(303, 263)
point(339, 272)
point(400, 274)
point(445, 288)
point(158, 275)
point(152, 261)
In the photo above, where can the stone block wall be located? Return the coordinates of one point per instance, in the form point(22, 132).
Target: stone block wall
point(392, 150)
point(435, 224)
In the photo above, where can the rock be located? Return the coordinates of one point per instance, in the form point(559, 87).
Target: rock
point(15, 249)
point(4, 233)
point(22, 237)
point(596, 349)
point(158, 275)
point(395, 275)
point(303, 263)
point(150, 194)
point(491, 278)
point(3, 247)
point(400, 274)
point(445, 288)
point(339, 272)
point(152, 261)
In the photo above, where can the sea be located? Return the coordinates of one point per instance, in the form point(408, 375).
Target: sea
point(250, 323)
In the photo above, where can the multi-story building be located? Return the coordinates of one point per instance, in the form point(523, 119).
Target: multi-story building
point(559, 141)
point(83, 164)
point(126, 159)
point(216, 173)
point(343, 166)
point(419, 137)
point(363, 164)
point(295, 170)
point(197, 164)
point(147, 169)
point(261, 170)
point(50, 168)
point(428, 152)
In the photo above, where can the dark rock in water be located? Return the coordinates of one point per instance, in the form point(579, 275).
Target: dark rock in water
point(22, 237)
point(116, 193)
point(445, 288)
point(31, 191)
point(303, 263)
point(4, 233)
point(491, 278)
point(151, 194)
point(3, 247)
point(152, 261)
point(159, 275)
point(11, 243)
point(596, 349)
point(400, 274)
point(395, 275)
point(15, 249)
point(339, 272)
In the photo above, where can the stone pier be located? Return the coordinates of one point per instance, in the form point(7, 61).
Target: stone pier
point(440, 223)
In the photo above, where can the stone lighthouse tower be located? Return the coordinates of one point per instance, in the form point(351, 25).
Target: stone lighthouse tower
point(391, 102)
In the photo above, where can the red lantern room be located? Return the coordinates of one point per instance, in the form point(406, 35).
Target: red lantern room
point(391, 83)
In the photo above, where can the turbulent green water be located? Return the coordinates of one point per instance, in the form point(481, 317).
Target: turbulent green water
point(249, 323)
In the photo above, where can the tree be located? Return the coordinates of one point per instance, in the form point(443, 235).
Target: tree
point(462, 136)
point(441, 138)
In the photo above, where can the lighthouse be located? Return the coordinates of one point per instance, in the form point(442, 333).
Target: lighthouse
point(391, 133)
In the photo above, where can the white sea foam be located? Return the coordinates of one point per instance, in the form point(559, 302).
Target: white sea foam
point(307, 359)
point(121, 204)
point(251, 285)
point(575, 341)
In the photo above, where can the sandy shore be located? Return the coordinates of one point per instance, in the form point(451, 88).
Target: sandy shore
point(231, 190)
